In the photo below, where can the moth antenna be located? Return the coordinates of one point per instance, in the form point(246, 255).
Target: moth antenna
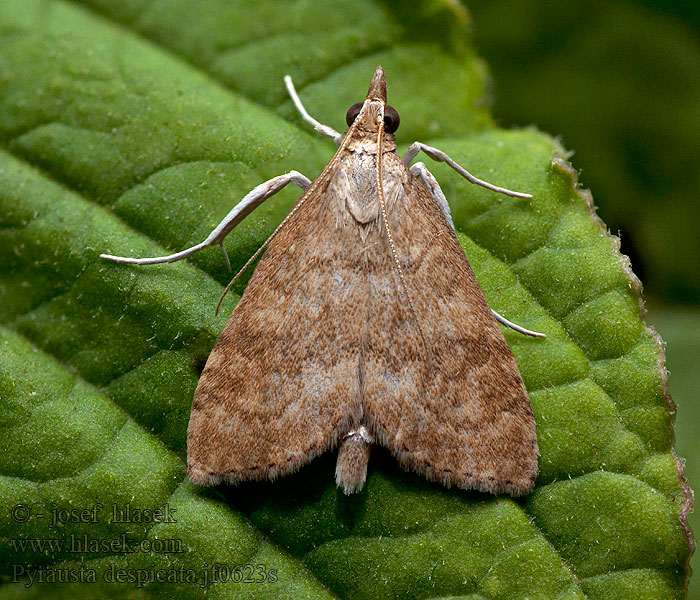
point(382, 203)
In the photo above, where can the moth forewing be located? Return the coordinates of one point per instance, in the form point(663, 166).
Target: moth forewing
point(451, 405)
point(280, 385)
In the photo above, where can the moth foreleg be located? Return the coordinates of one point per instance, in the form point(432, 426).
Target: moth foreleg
point(440, 156)
point(429, 181)
point(320, 127)
point(250, 202)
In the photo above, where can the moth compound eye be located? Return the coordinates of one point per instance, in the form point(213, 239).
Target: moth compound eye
point(352, 113)
point(391, 119)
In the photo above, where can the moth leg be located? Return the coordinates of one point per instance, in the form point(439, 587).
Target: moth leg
point(353, 456)
point(320, 127)
point(429, 181)
point(516, 327)
point(248, 204)
point(440, 156)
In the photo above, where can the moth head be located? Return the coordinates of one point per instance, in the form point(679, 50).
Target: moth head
point(391, 117)
point(373, 106)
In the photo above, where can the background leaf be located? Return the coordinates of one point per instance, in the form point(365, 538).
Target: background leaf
point(132, 128)
point(628, 71)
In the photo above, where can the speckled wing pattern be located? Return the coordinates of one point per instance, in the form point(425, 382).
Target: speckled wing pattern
point(450, 404)
point(281, 384)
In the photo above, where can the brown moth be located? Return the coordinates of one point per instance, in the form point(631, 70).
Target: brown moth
point(363, 323)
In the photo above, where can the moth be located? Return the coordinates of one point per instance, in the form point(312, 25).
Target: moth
point(362, 324)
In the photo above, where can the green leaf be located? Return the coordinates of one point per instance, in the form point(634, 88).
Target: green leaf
point(552, 61)
point(132, 128)
point(679, 328)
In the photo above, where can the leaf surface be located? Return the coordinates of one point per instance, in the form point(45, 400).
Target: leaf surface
point(132, 128)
